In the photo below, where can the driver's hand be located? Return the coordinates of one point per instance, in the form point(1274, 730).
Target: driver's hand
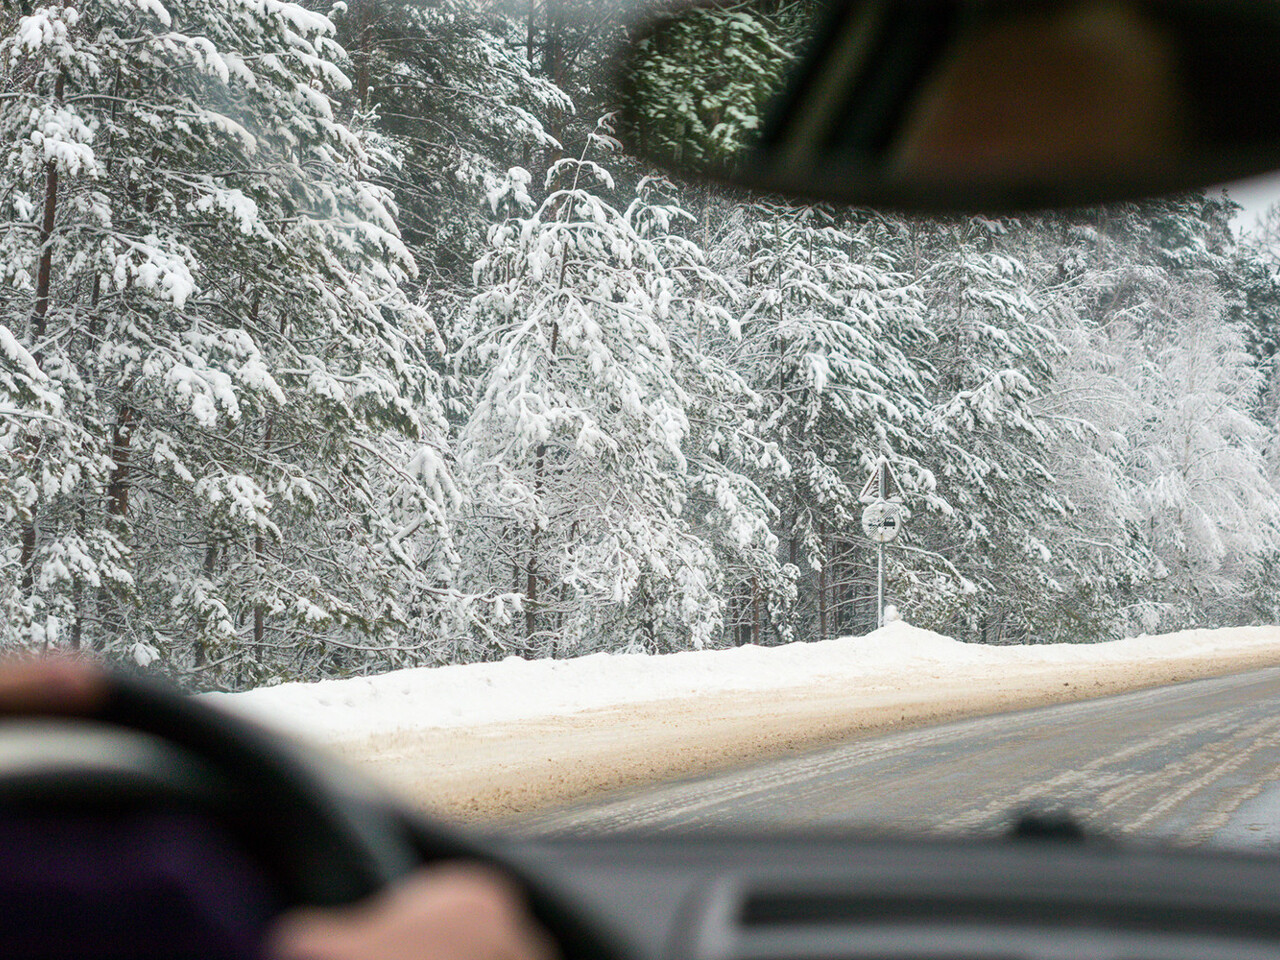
point(457, 911)
point(451, 912)
point(50, 684)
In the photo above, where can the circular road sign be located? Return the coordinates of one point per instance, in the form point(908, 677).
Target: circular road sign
point(882, 521)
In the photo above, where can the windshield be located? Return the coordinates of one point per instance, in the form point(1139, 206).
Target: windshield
point(352, 365)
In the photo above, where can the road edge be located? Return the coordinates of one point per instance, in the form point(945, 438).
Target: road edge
point(489, 774)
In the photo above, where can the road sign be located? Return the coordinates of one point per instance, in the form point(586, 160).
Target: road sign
point(881, 485)
point(882, 521)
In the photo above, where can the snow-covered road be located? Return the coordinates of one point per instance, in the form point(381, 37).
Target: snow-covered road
point(1191, 763)
point(500, 739)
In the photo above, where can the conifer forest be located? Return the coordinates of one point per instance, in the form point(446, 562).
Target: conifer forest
point(342, 337)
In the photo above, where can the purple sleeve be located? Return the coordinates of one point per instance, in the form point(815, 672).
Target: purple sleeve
point(132, 887)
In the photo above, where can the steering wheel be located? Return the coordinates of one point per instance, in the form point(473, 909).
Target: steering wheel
point(323, 837)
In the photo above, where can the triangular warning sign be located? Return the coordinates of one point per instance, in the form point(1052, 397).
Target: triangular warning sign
point(871, 489)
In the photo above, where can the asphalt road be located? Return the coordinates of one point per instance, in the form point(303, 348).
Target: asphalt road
point(1196, 762)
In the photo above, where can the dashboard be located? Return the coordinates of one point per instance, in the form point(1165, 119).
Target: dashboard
point(838, 897)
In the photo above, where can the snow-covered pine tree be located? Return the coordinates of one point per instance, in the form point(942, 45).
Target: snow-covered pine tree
point(991, 359)
point(1258, 312)
point(222, 441)
point(1209, 505)
point(1100, 561)
point(452, 88)
point(699, 85)
point(826, 322)
point(578, 447)
point(1178, 323)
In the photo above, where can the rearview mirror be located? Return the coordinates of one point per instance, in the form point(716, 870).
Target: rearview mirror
point(945, 105)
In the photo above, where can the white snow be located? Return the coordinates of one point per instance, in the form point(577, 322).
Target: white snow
point(897, 656)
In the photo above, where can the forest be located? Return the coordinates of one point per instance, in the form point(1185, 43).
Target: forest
point(341, 338)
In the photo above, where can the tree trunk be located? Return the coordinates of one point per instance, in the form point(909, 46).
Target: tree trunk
point(260, 552)
point(793, 544)
point(822, 580)
point(755, 610)
point(531, 590)
point(531, 570)
point(44, 270)
point(39, 326)
point(210, 562)
point(82, 515)
point(77, 591)
point(554, 67)
point(259, 543)
point(28, 557)
point(118, 486)
point(539, 476)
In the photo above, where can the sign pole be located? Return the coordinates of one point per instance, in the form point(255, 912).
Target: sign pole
point(880, 587)
point(884, 468)
point(882, 520)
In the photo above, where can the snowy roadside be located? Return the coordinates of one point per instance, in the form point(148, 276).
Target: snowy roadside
point(483, 740)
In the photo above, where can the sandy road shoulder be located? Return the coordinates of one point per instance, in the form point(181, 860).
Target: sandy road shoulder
point(500, 771)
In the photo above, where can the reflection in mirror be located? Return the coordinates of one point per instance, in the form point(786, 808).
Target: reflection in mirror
point(998, 102)
point(699, 82)
point(1075, 89)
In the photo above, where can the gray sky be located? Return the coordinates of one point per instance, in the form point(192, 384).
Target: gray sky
point(1255, 195)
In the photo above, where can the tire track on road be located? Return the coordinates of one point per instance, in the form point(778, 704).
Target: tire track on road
point(1175, 762)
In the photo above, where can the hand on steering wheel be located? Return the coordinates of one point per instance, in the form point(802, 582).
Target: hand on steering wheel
point(457, 911)
point(450, 911)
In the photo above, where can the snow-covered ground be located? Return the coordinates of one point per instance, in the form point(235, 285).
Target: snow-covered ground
point(490, 741)
point(511, 690)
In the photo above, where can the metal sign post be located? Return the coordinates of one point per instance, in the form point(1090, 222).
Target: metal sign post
point(882, 520)
point(884, 468)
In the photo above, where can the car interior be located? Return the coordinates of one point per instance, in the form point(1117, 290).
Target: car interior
point(163, 826)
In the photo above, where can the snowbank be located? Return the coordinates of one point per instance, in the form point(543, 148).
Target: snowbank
point(894, 657)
